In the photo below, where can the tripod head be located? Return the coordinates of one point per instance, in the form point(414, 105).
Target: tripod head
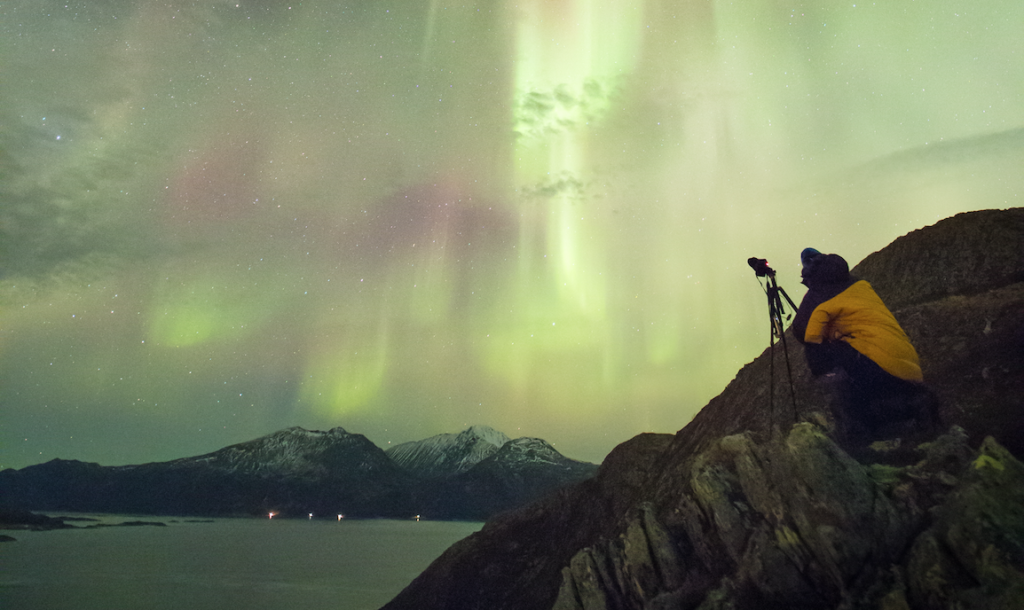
point(760, 267)
point(776, 310)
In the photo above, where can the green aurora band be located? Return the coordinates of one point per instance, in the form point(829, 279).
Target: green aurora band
point(219, 219)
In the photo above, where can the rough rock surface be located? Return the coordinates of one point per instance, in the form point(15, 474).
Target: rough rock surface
point(758, 503)
point(963, 255)
point(800, 524)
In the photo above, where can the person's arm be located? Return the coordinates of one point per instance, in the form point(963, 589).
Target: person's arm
point(818, 326)
point(818, 350)
point(809, 303)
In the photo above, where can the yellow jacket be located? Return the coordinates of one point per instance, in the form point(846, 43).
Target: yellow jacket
point(858, 316)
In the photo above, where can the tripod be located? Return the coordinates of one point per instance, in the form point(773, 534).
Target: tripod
point(776, 312)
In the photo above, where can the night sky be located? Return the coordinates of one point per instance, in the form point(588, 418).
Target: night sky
point(223, 218)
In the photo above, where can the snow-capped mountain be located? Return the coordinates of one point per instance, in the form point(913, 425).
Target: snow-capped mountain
point(469, 475)
point(522, 470)
point(295, 452)
point(292, 471)
point(448, 454)
point(528, 450)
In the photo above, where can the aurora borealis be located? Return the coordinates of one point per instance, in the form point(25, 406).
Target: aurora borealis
point(224, 218)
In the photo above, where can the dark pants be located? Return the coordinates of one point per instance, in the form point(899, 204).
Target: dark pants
point(870, 396)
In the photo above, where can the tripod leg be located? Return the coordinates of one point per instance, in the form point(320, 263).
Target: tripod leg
point(771, 366)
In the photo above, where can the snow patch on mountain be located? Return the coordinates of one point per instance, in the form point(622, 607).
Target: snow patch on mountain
point(527, 450)
point(448, 454)
point(294, 451)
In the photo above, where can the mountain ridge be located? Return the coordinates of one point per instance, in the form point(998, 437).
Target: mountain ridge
point(448, 454)
point(520, 468)
point(294, 471)
point(292, 451)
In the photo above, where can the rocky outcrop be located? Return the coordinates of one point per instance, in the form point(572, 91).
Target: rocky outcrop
point(800, 524)
point(972, 556)
point(784, 523)
point(964, 255)
point(759, 503)
point(641, 565)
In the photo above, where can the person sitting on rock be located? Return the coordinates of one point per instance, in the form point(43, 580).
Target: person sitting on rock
point(847, 331)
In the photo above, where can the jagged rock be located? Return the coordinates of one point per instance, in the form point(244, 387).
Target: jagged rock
point(800, 524)
point(761, 502)
point(792, 521)
point(642, 564)
point(973, 556)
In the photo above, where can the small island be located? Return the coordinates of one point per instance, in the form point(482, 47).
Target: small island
point(13, 519)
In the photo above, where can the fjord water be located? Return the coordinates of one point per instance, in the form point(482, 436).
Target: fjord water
point(223, 564)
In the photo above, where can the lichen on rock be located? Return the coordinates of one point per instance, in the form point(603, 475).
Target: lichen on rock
point(803, 525)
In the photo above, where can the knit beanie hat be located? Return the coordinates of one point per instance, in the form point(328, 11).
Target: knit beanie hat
point(826, 270)
point(806, 256)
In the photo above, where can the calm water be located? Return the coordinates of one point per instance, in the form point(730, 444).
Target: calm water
point(223, 565)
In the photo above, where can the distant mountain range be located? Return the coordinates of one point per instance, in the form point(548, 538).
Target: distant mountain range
point(295, 472)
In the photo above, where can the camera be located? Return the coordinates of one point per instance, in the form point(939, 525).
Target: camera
point(760, 267)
